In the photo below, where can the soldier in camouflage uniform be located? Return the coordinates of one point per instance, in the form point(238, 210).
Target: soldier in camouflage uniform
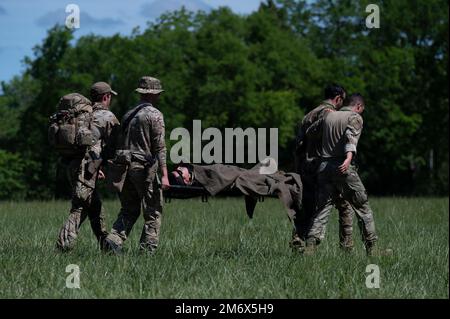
point(143, 139)
point(83, 172)
point(307, 161)
point(337, 174)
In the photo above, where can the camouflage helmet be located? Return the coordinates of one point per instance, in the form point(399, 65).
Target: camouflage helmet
point(149, 85)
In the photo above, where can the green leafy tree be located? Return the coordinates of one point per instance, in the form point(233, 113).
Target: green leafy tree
point(266, 69)
point(12, 171)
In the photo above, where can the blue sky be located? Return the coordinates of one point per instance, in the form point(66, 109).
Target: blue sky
point(23, 24)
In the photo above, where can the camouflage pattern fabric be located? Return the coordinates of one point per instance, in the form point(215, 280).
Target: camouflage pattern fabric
point(308, 151)
point(346, 213)
point(341, 132)
point(105, 128)
point(304, 218)
point(141, 187)
point(82, 174)
point(144, 134)
point(85, 203)
point(149, 85)
point(332, 183)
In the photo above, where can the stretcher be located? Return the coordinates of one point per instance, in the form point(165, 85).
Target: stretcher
point(184, 192)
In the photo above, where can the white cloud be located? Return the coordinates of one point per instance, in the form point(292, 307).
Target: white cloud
point(59, 17)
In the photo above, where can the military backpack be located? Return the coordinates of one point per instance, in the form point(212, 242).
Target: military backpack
point(70, 127)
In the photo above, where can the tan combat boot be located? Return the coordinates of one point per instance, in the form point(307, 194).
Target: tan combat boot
point(346, 244)
point(373, 250)
point(297, 244)
point(311, 246)
point(113, 244)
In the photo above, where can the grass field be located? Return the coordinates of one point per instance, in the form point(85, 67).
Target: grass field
point(213, 250)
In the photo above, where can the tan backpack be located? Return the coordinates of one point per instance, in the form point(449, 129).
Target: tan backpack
point(70, 127)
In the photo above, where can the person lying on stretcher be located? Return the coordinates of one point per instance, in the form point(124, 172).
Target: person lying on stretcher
point(182, 175)
point(219, 178)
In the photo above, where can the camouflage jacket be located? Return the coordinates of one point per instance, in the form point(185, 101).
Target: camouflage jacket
point(341, 133)
point(143, 132)
point(105, 128)
point(308, 142)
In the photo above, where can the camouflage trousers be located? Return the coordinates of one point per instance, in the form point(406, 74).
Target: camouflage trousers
point(85, 203)
point(141, 187)
point(330, 185)
point(304, 218)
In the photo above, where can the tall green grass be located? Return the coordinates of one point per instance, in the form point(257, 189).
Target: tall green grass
point(212, 250)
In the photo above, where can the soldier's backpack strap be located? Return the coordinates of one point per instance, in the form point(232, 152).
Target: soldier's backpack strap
point(133, 114)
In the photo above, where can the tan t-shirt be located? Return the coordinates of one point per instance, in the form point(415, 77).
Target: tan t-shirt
point(341, 133)
point(312, 142)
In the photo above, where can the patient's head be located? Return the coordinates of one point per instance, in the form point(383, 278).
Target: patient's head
point(180, 176)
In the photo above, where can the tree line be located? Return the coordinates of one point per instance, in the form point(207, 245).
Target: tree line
point(266, 69)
